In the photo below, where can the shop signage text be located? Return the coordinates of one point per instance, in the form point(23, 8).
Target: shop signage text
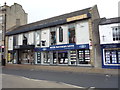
point(83, 16)
point(63, 47)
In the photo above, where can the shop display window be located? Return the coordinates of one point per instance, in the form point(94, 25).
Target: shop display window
point(83, 56)
point(62, 57)
point(112, 56)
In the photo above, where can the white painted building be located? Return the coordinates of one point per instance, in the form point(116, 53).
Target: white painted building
point(61, 40)
point(109, 30)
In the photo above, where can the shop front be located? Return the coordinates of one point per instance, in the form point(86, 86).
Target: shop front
point(24, 54)
point(66, 54)
point(111, 56)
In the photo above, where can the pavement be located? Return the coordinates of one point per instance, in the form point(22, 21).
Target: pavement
point(65, 68)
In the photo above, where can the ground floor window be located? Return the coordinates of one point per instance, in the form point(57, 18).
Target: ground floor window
point(26, 56)
point(112, 56)
point(60, 57)
point(83, 56)
point(65, 57)
point(46, 57)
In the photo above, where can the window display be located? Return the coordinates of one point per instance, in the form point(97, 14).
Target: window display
point(112, 56)
point(83, 56)
point(62, 57)
point(46, 58)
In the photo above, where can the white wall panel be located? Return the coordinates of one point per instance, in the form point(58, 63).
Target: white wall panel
point(82, 32)
point(31, 38)
point(45, 36)
point(20, 39)
point(10, 43)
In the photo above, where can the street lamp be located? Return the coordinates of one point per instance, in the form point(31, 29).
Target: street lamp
point(4, 32)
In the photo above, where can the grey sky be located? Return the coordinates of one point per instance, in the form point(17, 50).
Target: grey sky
point(41, 9)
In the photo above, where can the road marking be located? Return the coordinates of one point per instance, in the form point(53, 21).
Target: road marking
point(71, 85)
point(54, 82)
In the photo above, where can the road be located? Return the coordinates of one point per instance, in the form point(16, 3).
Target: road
point(68, 79)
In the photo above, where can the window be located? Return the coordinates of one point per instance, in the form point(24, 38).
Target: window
point(53, 36)
point(116, 33)
point(84, 56)
point(71, 34)
point(60, 34)
point(25, 39)
point(15, 40)
point(37, 38)
point(112, 56)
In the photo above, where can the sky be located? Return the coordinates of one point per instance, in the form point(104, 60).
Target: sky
point(41, 9)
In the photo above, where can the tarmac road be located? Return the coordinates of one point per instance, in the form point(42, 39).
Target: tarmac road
point(13, 81)
point(70, 78)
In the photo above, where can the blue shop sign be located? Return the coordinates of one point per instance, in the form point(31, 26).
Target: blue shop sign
point(82, 46)
point(63, 47)
point(115, 45)
point(42, 49)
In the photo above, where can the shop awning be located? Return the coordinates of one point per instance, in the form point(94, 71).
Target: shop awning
point(19, 47)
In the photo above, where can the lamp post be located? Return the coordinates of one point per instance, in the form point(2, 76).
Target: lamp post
point(4, 36)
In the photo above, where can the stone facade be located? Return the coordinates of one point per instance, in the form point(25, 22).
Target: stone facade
point(11, 17)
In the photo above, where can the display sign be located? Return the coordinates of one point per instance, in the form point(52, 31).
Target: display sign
point(83, 16)
point(63, 47)
point(110, 45)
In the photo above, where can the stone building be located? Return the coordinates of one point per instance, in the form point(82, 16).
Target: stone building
point(68, 39)
point(10, 17)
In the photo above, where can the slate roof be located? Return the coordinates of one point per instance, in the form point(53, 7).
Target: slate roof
point(105, 21)
point(57, 20)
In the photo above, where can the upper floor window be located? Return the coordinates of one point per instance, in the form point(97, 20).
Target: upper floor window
point(71, 33)
point(37, 38)
point(116, 33)
point(53, 36)
point(60, 34)
point(15, 40)
point(25, 39)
